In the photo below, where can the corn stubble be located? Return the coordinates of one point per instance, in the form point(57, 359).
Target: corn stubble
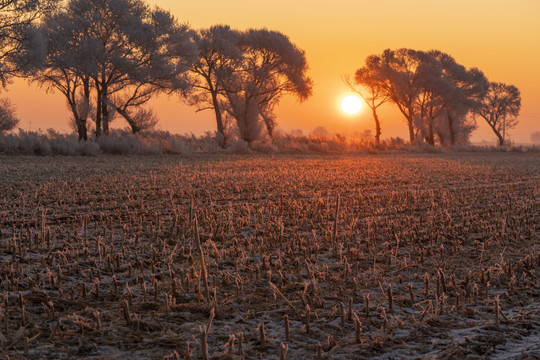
point(287, 257)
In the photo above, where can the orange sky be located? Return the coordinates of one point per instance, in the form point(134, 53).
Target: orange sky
point(500, 37)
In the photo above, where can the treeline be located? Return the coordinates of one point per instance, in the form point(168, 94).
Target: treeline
point(439, 98)
point(110, 57)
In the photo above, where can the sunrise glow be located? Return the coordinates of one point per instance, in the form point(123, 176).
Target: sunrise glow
point(351, 104)
point(338, 48)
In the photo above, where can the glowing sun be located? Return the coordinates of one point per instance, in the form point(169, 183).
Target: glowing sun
point(351, 104)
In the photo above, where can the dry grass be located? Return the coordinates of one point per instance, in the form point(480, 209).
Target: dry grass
point(270, 257)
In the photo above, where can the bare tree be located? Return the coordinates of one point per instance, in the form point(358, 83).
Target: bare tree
point(8, 120)
point(471, 87)
point(397, 72)
point(374, 96)
point(461, 90)
point(500, 108)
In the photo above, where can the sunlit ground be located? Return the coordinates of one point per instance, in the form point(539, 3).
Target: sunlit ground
point(394, 256)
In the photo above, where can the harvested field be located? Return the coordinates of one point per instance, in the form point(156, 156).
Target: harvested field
point(270, 257)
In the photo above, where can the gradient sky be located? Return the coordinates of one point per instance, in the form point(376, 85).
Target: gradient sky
point(502, 38)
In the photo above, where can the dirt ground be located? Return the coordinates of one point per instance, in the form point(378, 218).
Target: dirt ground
point(271, 257)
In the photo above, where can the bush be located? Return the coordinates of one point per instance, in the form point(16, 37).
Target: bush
point(123, 142)
point(8, 119)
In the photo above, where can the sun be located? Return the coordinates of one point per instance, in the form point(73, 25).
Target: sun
point(351, 104)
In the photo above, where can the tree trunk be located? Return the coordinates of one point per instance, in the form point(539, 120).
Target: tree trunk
point(377, 126)
point(431, 136)
point(86, 91)
point(222, 140)
point(98, 112)
point(134, 127)
point(410, 123)
point(409, 115)
point(441, 138)
point(497, 133)
point(80, 129)
point(105, 111)
point(270, 125)
point(74, 111)
point(451, 129)
point(501, 139)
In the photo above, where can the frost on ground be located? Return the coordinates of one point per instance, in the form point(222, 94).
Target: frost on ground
point(415, 256)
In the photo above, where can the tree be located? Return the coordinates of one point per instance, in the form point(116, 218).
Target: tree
point(270, 67)
point(500, 108)
point(372, 93)
point(16, 34)
point(164, 54)
point(8, 120)
point(123, 49)
point(430, 89)
point(435, 91)
point(471, 87)
point(218, 48)
point(397, 72)
point(66, 67)
point(462, 91)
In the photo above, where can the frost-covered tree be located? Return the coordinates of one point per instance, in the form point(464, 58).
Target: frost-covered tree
point(66, 67)
point(432, 91)
point(123, 49)
point(457, 122)
point(398, 73)
point(165, 51)
point(459, 91)
point(500, 108)
point(20, 45)
point(8, 119)
point(218, 49)
point(270, 67)
point(435, 90)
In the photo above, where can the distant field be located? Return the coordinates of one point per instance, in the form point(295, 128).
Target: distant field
point(387, 256)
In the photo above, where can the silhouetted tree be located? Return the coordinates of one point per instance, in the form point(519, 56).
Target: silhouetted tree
point(66, 67)
point(500, 108)
point(471, 87)
point(398, 73)
point(372, 93)
point(432, 91)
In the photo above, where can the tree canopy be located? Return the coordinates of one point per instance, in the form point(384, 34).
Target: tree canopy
point(20, 45)
point(500, 108)
point(122, 48)
point(245, 74)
